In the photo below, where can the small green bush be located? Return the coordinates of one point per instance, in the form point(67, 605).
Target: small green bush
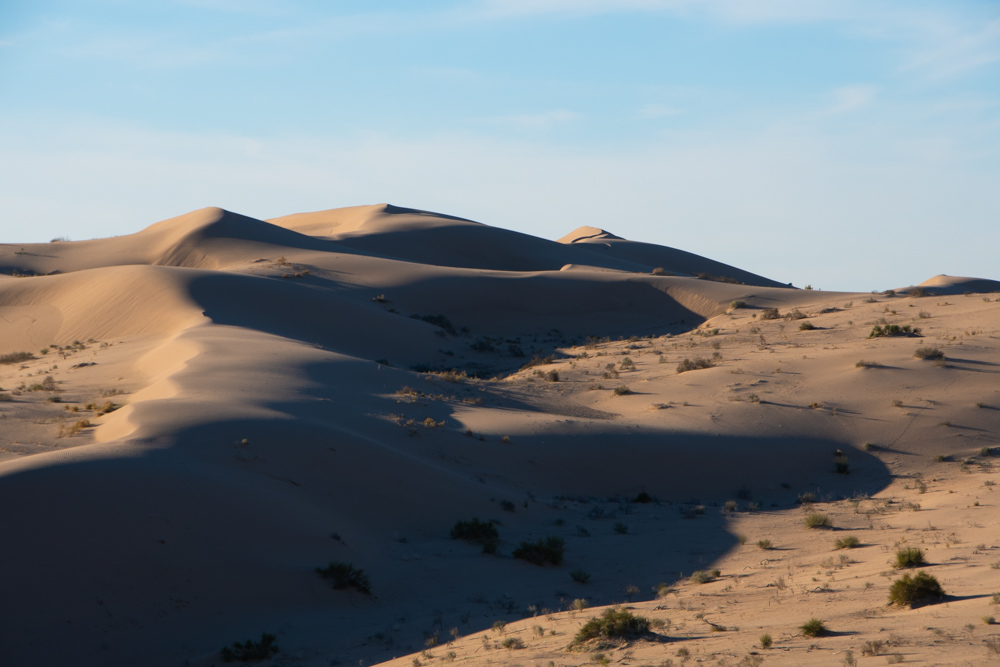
point(929, 353)
point(477, 532)
point(764, 545)
point(849, 542)
point(622, 390)
point(701, 577)
point(737, 304)
point(766, 641)
point(16, 357)
point(697, 364)
point(907, 590)
point(544, 551)
point(890, 330)
point(769, 314)
point(807, 326)
point(818, 521)
point(813, 628)
point(910, 557)
point(345, 575)
point(613, 624)
point(250, 651)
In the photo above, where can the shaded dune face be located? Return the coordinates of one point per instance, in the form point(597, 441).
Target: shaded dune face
point(345, 385)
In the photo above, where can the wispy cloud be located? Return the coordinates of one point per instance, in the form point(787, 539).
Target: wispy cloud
point(658, 111)
point(955, 49)
point(851, 98)
point(536, 121)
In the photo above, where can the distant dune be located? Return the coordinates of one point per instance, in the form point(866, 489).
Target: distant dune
point(197, 416)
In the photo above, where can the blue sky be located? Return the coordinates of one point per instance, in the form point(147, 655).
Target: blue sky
point(846, 144)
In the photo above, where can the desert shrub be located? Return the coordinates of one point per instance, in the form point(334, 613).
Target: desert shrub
point(817, 521)
point(764, 544)
point(627, 364)
point(841, 465)
point(766, 641)
point(813, 628)
point(889, 330)
point(908, 590)
point(917, 291)
point(613, 624)
point(698, 363)
point(544, 551)
point(643, 497)
point(552, 376)
point(730, 506)
point(345, 575)
point(769, 314)
point(873, 647)
point(701, 577)
point(512, 643)
point(477, 532)
point(807, 326)
point(5, 397)
point(929, 353)
point(250, 651)
point(910, 557)
point(659, 271)
point(441, 322)
point(849, 542)
point(622, 390)
point(737, 304)
point(579, 576)
point(538, 361)
point(795, 315)
point(16, 357)
point(867, 364)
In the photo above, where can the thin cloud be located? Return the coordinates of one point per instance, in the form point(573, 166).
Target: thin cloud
point(658, 111)
point(852, 98)
point(536, 121)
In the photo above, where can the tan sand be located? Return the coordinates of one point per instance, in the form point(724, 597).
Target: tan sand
point(277, 404)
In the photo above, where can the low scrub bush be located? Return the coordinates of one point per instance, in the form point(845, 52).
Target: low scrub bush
point(613, 624)
point(807, 326)
point(849, 542)
point(250, 651)
point(909, 590)
point(818, 521)
point(477, 532)
point(910, 557)
point(16, 357)
point(769, 314)
point(697, 364)
point(543, 552)
point(890, 330)
point(813, 628)
point(345, 575)
point(929, 353)
point(622, 390)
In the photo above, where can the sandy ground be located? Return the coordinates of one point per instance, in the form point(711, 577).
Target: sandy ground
point(209, 410)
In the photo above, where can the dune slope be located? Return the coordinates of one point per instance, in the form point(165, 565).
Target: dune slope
point(198, 416)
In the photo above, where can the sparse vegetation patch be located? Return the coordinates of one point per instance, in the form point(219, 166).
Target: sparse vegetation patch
point(613, 624)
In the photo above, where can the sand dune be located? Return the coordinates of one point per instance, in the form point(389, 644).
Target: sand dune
point(209, 409)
